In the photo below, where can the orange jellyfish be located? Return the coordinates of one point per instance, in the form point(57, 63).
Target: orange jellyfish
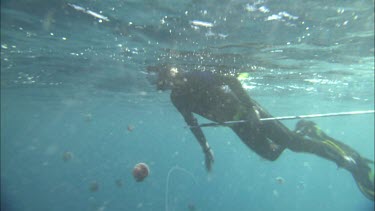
point(140, 172)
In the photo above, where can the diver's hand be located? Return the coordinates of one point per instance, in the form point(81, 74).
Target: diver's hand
point(209, 159)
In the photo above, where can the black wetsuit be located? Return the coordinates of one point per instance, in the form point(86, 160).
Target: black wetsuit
point(221, 98)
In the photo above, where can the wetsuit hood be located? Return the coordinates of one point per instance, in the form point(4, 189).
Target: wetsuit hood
point(162, 76)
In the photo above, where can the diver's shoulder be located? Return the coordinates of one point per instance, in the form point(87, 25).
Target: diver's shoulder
point(202, 75)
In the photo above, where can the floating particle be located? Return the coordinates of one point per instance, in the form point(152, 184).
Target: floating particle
point(119, 183)
point(94, 186)
point(280, 180)
point(130, 128)
point(67, 156)
point(275, 193)
point(88, 117)
point(191, 207)
point(307, 165)
point(301, 185)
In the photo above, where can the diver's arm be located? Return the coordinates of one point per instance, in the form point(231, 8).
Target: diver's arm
point(197, 131)
point(179, 102)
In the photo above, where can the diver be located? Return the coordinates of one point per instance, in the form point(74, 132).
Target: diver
point(221, 98)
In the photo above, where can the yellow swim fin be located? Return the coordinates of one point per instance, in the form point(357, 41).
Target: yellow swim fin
point(365, 182)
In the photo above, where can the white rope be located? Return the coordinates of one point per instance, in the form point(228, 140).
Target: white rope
point(318, 115)
point(175, 168)
point(214, 124)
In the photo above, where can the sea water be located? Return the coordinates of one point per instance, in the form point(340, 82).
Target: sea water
point(77, 110)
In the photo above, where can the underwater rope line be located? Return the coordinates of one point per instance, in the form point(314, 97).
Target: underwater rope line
point(174, 168)
point(214, 124)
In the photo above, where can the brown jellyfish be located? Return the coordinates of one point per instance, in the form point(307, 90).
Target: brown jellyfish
point(140, 172)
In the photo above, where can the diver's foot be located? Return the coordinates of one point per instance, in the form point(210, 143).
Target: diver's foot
point(364, 177)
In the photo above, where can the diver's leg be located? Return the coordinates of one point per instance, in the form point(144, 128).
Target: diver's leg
point(298, 142)
point(309, 138)
point(253, 136)
point(309, 135)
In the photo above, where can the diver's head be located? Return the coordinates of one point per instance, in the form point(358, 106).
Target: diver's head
point(162, 76)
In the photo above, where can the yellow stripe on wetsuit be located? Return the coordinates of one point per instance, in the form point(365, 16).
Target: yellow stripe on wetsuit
point(331, 144)
point(369, 193)
point(318, 133)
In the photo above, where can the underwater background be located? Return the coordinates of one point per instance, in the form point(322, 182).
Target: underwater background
point(78, 113)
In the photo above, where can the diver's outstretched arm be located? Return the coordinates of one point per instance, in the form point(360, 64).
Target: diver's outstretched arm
point(198, 133)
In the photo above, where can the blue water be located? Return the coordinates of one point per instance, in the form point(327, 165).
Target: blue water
point(72, 82)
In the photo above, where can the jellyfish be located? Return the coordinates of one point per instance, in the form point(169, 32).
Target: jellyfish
point(140, 172)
